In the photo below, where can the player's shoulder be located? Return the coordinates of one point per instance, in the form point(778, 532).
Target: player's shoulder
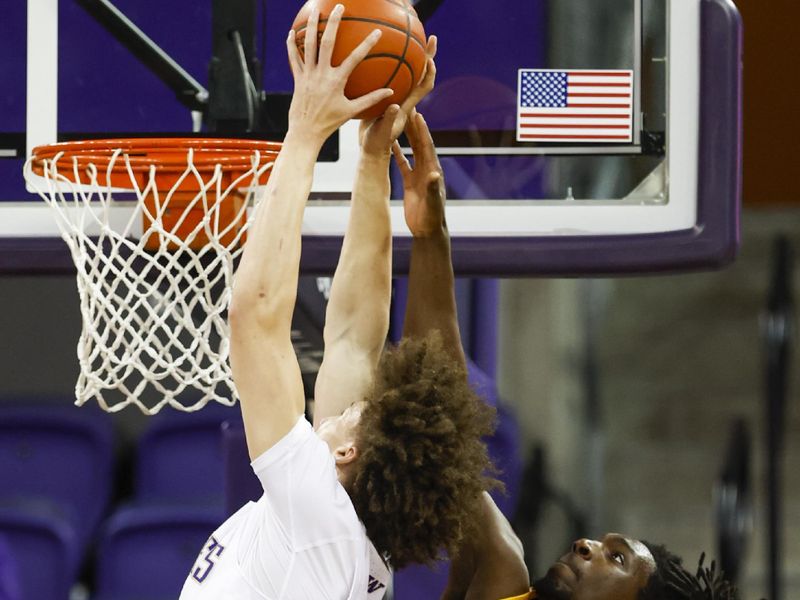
point(299, 459)
point(297, 438)
point(329, 518)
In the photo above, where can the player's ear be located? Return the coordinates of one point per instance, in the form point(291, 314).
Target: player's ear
point(345, 454)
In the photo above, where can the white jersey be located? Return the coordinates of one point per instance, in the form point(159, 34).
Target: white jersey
point(302, 540)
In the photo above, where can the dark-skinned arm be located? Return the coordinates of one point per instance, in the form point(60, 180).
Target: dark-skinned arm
point(431, 292)
point(489, 564)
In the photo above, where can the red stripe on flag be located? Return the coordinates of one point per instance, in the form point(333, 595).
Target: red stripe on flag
point(599, 106)
point(599, 73)
point(575, 137)
point(598, 84)
point(571, 126)
point(584, 116)
point(598, 95)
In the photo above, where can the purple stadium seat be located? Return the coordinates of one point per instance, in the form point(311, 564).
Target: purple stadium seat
point(146, 552)
point(44, 549)
point(180, 457)
point(58, 454)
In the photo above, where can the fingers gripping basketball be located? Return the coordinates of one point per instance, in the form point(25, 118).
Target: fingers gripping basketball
point(398, 59)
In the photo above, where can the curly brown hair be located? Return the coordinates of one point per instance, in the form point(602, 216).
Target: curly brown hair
point(423, 464)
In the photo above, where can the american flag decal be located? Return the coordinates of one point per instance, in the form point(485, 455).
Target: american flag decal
point(575, 106)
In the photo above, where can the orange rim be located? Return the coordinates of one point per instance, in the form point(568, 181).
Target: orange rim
point(168, 155)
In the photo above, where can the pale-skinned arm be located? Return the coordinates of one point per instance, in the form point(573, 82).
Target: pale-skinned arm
point(263, 362)
point(357, 318)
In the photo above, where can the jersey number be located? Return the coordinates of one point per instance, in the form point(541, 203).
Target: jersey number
point(214, 550)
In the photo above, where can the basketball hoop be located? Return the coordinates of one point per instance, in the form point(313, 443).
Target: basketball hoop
point(154, 227)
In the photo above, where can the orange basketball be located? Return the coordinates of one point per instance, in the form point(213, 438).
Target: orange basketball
point(395, 62)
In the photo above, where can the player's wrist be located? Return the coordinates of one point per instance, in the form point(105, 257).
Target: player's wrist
point(436, 231)
point(376, 155)
point(304, 138)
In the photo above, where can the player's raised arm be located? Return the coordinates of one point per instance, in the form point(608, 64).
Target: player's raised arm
point(489, 563)
point(264, 365)
point(431, 294)
point(357, 318)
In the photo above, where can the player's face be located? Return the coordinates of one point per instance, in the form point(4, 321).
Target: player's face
point(616, 568)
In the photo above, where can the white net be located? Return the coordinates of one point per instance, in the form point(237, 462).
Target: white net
point(154, 276)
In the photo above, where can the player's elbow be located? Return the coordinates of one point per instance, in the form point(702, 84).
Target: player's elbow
point(263, 308)
point(360, 330)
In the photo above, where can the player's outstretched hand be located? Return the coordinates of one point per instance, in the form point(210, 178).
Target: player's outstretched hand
point(423, 184)
point(422, 89)
point(375, 137)
point(319, 106)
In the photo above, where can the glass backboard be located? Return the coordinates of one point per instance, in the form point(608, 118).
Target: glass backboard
point(577, 137)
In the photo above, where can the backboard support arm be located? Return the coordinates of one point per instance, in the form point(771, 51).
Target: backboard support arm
point(234, 77)
point(187, 89)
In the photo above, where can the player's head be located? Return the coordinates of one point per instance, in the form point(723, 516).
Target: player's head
point(421, 464)
point(620, 568)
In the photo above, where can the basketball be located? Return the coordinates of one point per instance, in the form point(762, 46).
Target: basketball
point(398, 59)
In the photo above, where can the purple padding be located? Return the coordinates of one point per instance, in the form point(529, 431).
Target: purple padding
point(44, 549)
point(398, 309)
point(180, 457)
point(10, 586)
point(504, 445)
point(146, 553)
point(61, 455)
point(483, 324)
point(241, 483)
